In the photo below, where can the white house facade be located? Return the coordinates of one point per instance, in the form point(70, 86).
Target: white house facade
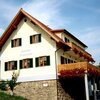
point(43, 50)
point(29, 44)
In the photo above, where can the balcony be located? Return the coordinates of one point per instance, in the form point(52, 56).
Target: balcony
point(77, 69)
point(81, 52)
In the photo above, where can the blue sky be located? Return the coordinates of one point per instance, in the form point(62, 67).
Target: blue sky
point(79, 17)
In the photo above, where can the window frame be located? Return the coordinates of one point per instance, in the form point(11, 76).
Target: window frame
point(11, 65)
point(66, 40)
point(66, 60)
point(35, 38)
point(16, 42)
point(42, 61)
point(26, 63)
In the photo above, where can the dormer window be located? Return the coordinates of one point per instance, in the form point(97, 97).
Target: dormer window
point(35, 38)
point(16, 42)
point(67, 40)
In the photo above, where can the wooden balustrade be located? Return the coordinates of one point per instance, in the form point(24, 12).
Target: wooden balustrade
point(79, 65)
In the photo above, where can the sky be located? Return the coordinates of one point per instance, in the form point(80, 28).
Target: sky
point(80, 17)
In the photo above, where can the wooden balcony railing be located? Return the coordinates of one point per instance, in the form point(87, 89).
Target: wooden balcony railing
point(80, 67)
point(80, 51)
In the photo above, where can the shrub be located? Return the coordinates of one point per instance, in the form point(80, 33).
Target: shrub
point(3, 85)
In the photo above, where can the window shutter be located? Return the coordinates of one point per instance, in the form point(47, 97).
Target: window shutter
point(39, 38)
point(48, 60)
point(15, 65)
point(36, 62)
point(31, 63)
point(5, 66)
point(62, 60)
point(12, 43)
point(20, 42)
point(20, 64)
point(30, 39)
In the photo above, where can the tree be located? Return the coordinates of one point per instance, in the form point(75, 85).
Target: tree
point(13, 82)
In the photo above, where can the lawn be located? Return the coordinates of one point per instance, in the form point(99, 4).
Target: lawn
point(4, 96)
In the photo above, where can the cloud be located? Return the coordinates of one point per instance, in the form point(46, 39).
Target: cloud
point(7, 9)
point(1, 31)
point(47, 12)
point(91, 36)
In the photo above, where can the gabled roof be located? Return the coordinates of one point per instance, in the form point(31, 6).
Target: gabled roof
point(69, 34)
point(13, 25)
point(20, 15)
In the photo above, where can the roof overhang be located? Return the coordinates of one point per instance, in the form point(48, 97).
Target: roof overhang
point(70, 35)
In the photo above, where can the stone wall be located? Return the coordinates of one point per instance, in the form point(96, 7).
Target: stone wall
point(39, 90)
point(42, 90)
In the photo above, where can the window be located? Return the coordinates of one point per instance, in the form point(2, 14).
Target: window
point(42, 61)
point(16, 42)
point(26, 63)
point(66, 60)
point(63, 60)
point(35, 38)
point(67, 40)
point(11, 65)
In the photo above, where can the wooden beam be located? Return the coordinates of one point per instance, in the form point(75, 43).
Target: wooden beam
point(14, 26)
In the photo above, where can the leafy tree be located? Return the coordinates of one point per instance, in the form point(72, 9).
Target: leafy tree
point(13, 82)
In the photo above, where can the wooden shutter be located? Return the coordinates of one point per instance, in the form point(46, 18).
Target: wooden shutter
point(39, 38)
point(15, 65)
point(62, 60)
point(48, 60)
point(30, 39)
point(12, 43)
point(20, 41)
point(6, 66)
point(36, 62)
point(30, 63)
point(20, 64)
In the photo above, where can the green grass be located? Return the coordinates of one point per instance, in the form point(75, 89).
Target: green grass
point(4, 96)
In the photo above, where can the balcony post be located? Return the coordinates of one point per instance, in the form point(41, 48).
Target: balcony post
point(86, 86)
point(94, 89)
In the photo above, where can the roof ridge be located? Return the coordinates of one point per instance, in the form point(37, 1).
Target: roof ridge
point(23, 11)
point(15, 21)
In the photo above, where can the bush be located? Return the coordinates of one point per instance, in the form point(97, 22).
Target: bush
point(3, 85)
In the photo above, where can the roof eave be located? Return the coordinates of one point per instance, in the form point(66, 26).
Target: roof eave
point(68, 33)
point(12, 26)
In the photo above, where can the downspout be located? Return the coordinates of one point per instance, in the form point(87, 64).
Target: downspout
point(56, 62)
point(56, 69)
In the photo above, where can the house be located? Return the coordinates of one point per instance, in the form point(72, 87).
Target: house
point(43, 55)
